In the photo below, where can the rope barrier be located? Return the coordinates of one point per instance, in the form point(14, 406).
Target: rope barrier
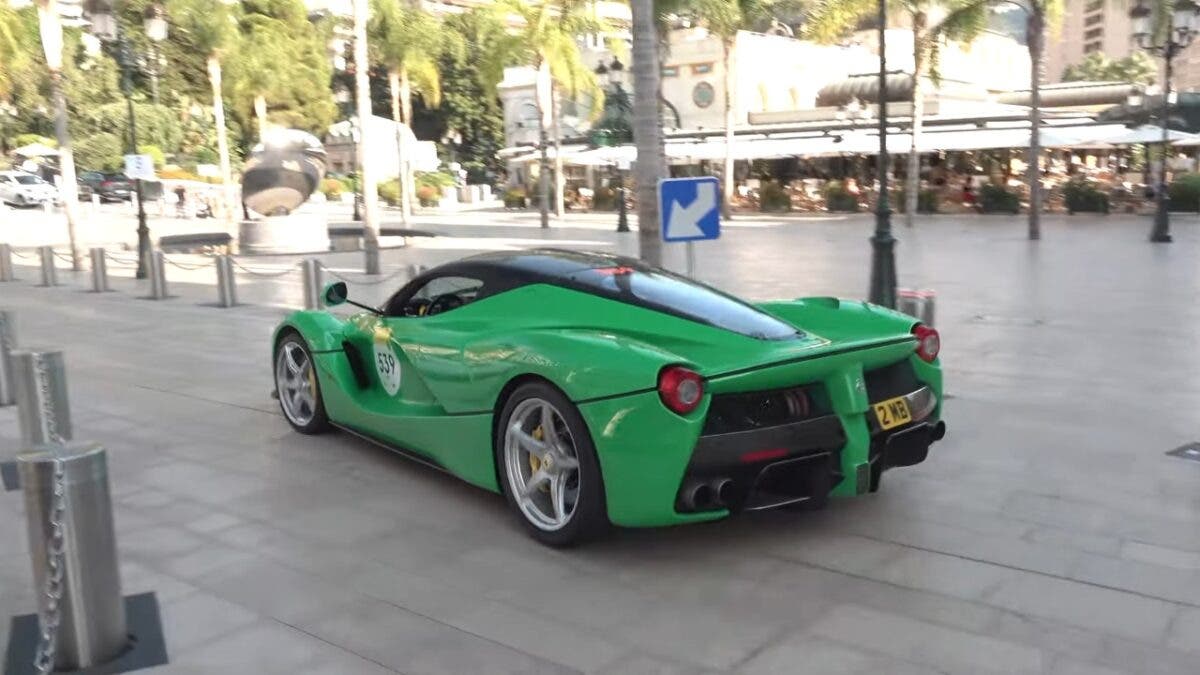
point(360, 282)
point(265, 275)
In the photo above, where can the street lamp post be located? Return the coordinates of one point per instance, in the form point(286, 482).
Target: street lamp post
point(612, 76)
point(1179, 34)
point(106, 27)
point(883, 244)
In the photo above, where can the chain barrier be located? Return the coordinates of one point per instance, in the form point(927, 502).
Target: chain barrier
point(120, 261)
point(22, 255)
point(360, 282)
point(186, 267)
point(65, 257)
point(265, 275)
point(50, 618)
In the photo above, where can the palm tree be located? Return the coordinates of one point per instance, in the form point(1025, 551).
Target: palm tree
point(366, 172)
point(959, 20)
point(724, 19)
point(213, 29)
point(647, 128)
point(407, 41)
point(548, 42)
point(260, 64)
point(50, 26)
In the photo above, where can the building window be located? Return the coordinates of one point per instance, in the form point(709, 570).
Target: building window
point(1094, 5)
point(1094, 33)
point(703, 95)
point(670, 71)
point(1093, 20)
point(1091, 47)
point(701, 68)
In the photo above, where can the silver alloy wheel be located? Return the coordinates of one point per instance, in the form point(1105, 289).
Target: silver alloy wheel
point(542, 464)
point(296, 383)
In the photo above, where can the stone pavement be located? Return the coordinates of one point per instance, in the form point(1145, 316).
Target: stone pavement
point(1048, 533)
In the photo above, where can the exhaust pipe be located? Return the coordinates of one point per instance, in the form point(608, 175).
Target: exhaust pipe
point(698, 497)
point(722, 490)
point(938, 432)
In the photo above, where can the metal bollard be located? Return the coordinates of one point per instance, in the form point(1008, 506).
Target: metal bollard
point(6, 266)
point(226, 282)
point(917, 304)
point(415, 271)
point(68, 513)
point(158, 276)
point(40, 387)
point(49, 273)
point(8, 342)
point(99, 271)
point(312, 273)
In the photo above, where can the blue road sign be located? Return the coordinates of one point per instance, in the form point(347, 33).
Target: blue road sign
point(689, 209)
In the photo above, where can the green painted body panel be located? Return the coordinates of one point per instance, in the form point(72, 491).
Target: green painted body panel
point(605, 356)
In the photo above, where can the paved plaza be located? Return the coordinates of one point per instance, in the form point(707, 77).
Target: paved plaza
point(1048, 533)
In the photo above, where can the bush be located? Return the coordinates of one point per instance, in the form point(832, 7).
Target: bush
point(927, 201)
point(428, 195)
point(389, 191)
point(995, 199)
point(1083, 197)
point(515, 198)
point(436, 179)
point(332, 188)
point(838, 198)
point(1184, 192)
point(774, 198)
point(156, 154)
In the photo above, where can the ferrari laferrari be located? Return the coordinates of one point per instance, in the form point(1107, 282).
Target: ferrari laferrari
point(594, 390)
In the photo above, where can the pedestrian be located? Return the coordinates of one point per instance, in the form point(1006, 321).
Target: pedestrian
point(180, 201)
point(968, 191)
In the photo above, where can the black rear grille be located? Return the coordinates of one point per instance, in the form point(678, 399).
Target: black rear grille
point(761, 409)
point(891, 381)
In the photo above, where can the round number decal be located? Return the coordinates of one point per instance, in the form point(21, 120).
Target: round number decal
point(388, 366)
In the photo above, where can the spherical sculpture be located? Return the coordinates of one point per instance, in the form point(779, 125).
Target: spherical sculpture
point(283, 171)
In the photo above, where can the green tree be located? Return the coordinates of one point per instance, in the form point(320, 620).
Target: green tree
point(647, 124)
point(407, 42)
point(211, 26)
point(933, 22)
point(476, 50)
point(548, 42)
point(1098, 67)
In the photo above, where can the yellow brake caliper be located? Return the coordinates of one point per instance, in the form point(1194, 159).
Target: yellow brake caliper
point(534, 462)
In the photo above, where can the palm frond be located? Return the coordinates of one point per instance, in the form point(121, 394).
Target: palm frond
point(831, 20)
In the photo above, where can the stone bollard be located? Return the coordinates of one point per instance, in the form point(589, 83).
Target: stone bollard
point(99, 271)
point(40, 387)
point(158, 276)
point(6, 266)
point(49, 273)
point(8, 342)
point(226, 282)
point(72, 544)
point(312, 274)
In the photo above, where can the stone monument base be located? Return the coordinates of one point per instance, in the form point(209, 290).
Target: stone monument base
point(304, 231)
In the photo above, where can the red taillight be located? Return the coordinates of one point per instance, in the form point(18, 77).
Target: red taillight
point(929, 343)
point(755, 456)
point(680, 389)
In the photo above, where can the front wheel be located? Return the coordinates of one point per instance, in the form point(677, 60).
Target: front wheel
point(297, 387)
point(548, 467)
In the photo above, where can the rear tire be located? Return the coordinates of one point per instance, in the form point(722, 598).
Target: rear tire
point(550, 477)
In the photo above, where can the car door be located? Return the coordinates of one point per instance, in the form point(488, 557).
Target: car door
point(6, 188)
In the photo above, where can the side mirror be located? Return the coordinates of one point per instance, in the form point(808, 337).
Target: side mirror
point(335, 293)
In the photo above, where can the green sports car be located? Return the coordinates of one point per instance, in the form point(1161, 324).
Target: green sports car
point(592, 389)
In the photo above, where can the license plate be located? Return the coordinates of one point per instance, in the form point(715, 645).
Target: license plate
point(892, 412)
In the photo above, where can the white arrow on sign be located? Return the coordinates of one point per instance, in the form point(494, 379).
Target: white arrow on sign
point(685, 220)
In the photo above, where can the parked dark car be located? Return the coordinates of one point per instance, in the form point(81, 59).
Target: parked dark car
point(111, 187)
point(84, 190)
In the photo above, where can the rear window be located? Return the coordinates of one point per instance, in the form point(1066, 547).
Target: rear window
point(29, 180)
point(672, 294)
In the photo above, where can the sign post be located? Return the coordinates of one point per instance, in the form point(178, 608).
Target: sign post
point(690, 211)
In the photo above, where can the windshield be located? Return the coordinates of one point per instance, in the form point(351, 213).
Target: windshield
point(29, 180)
point(671, 294)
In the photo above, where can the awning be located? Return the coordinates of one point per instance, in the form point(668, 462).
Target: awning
point(35, 150)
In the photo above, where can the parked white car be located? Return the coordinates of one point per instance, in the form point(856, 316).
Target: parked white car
point(25, 189)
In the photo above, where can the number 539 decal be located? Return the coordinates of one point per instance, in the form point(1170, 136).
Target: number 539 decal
point(387, 365)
